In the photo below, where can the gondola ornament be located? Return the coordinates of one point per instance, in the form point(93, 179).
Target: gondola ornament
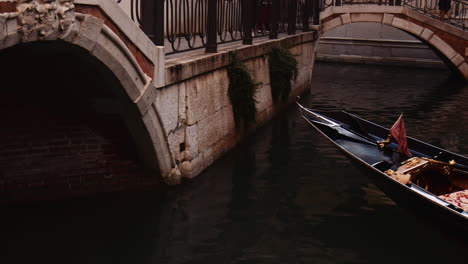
point(397, 132)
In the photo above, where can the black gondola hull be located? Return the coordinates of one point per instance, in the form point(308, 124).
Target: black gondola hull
point(362, 150)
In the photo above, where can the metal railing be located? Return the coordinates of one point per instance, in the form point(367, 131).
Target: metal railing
point(182, 25)
point(457, 14)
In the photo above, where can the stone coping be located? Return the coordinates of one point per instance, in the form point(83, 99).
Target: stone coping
point(191, 65)
point(126, 25)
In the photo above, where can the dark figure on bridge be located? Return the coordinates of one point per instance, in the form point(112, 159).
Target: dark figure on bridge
point(263, 22)
point(444, 7)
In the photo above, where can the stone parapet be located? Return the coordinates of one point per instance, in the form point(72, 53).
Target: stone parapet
point(200, 122)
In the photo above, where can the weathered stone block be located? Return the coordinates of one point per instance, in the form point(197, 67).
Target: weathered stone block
point(442, 46)
point(457, 60)
point(229, 124)
point(12, 35)
point(303, 76)
point(427, 34)
point(113, 57)
point(159, 67)
point(208, 157)
point(210, 130)
point(186, 169)
point(367, 18)
point(89, 32)
point(206, 95)
point(3, 29)
point(263, 97)
point(175, 138)
point(259, 70)
point(191, 140)
point(167, 103)
point(388, 19)
point(346, 18)
point(331, 24)
point(192, 168)
point(407, 26)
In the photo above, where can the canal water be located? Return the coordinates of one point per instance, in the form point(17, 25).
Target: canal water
point(285, 195)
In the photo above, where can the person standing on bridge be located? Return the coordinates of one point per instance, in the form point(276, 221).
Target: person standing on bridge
point(444, 7)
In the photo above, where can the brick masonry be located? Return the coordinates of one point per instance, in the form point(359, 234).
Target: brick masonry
point(45, 153)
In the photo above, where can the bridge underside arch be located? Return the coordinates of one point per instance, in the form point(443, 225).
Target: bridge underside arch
point(68, 127)
point(448, 43)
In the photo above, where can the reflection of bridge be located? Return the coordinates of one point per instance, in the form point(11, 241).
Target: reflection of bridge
point(103, 99)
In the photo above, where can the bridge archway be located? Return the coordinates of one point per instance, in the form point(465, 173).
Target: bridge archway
point(448, 42)
point(88, 73)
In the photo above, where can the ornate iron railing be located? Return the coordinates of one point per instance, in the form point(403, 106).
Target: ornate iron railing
point(184, 24)
point(457, 15)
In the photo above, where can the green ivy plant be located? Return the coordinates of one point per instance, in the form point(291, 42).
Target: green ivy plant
point(283, 69)
point(241, 91)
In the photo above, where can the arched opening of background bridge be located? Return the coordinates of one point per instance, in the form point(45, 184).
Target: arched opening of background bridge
point(378, 44)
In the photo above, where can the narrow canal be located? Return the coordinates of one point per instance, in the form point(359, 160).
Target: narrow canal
point(285, 195)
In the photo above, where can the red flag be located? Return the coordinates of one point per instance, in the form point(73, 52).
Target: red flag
point(398, 132)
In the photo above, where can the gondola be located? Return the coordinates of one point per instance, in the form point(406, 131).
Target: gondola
point(426, 179)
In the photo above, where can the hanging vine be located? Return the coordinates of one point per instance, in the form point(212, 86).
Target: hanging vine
point(241, 91)
point(283, 69)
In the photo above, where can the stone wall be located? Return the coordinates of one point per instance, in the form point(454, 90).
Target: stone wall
point(195, 108)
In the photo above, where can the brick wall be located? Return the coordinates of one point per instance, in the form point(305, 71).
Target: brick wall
point(46, 152)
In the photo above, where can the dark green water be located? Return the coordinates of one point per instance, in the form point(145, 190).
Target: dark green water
point(285, 195)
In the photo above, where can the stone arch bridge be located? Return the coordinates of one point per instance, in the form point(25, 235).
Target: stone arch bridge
point(449, 42)
point(87, 96)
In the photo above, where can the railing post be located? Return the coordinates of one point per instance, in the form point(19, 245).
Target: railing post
point(211, 43)
point(275, 13)
point(316, 12)
point(292, 12)
point(247, 21)
point(159, 23)
point(306, 14)
point(152, 15)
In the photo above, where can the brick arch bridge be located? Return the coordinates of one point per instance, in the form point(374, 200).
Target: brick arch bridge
point(451, 43)
point(101, 31)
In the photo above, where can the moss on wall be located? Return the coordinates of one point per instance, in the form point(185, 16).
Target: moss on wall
point(283, 69)
point(241, 91)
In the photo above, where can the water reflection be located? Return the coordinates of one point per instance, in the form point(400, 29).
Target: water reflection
point(286, 195)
